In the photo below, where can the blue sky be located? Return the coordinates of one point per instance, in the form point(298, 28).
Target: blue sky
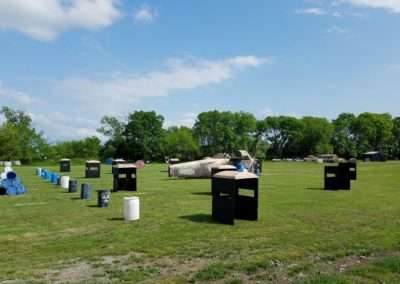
point(69, 62)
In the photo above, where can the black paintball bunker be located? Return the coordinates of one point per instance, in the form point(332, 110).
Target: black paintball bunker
point(124, 177)
point(340, 177)
point(227, 202)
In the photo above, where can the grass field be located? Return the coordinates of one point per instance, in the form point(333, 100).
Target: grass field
point(303, 235)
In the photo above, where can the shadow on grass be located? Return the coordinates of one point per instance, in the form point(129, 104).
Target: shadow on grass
point(185, 178)
point(202, 193)
point(199, 218)
point(116, 219)
point(75, 198)
point(315, 188)
point(94, 206)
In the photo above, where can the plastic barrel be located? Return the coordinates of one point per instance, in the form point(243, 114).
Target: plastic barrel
point(131, 208)
point(8, 169)
point(85, 191)
point(48, 177)
point(39, 172)
point(103, 198)
point(54, 179)
point(73, 186)
point(11, 175)
point(7, 164)
point(58, 180)
point(65, 182)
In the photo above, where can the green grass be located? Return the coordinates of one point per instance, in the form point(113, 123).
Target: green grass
point(303, 234)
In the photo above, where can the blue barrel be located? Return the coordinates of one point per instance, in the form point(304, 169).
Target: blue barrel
point(86, 191)
point(48, 177)
point(11, 175)
point(44, 174)
point(73, 186)
point(54, 179)
point(103, 198)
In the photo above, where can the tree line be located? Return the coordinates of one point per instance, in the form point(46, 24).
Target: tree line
point(142, 136)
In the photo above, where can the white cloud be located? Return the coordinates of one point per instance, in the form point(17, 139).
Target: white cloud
point(187, 119)
point(337, 30)
point(311, 11)
point(46, 19)
point(117, 94)
point(61, 126)
point(263, 113)
point(16, 96)
point(391, 5)
point(144, 14)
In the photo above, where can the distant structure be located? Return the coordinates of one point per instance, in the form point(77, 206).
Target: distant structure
point(374, 156)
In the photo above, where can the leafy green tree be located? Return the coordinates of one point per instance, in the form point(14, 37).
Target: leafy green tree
point(87, 148)
point(260, 144)
point(114, 129)
point(9, 150)
point(396, 137)
point(284, 134)
point(373, 132)
point(224, 132)
point(180, 143)
point(317, 136)
point(29, 144)
point(145, 135)
point(343, 140)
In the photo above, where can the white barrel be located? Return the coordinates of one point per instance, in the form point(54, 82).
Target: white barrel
point(39, 171)
point(65, 182)
point(8, 169)
point(7, 164)
point(131, 208)
point(3, 176)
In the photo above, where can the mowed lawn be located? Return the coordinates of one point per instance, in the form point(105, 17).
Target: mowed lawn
point(304, 234)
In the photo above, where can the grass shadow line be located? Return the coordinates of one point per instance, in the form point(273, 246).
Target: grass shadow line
point(315, 188)
point(199, 218)
point(116, 219)
point(202, 193)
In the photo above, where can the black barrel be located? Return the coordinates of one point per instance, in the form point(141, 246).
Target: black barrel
point(59, 180)
point(86, 191)
point(103, 198)
point(73, 186)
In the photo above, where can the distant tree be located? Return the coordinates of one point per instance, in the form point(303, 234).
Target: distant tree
point(9, 150)
point(317, 136)
point(373, 132)
point(28, 143)
point(343, 140)
point(260, 144)
point(114, 129)
point(145, 135)
point(244, 127)
point(224, 132)
point(396, 137)
point(87, 148)
point(284, 134)
point(180, 143)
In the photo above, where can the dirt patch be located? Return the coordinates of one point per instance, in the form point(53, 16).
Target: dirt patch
point(106, 269)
